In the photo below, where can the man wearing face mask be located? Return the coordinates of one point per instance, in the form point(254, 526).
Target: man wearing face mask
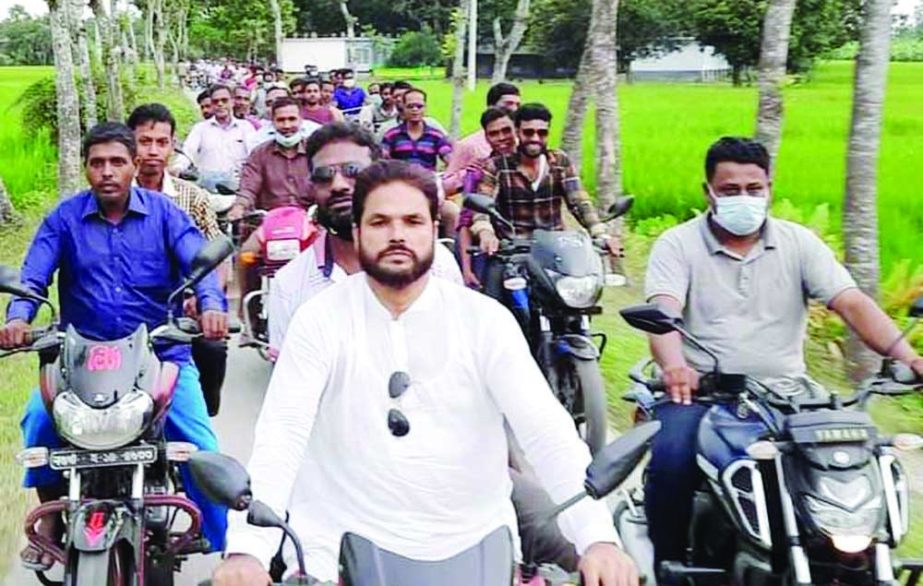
point(348, 97)
point(336, 154)
point(741, 280)
point(379, 109)
point(530, 186)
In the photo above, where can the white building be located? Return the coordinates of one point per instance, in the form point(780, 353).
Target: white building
point(689, 62)
point(326, 53)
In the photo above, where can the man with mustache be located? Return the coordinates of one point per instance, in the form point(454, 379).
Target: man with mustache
point(336, 154)
point(530, 187)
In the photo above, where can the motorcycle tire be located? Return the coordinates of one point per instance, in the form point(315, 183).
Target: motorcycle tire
point(158, 574)
point(113, 567)
point(591, 393)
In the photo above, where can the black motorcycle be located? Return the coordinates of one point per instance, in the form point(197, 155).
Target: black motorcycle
point(108, 401)
point(552, 283)
point(800, 488)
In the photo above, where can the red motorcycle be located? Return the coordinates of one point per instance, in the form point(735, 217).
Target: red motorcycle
point(282, 234)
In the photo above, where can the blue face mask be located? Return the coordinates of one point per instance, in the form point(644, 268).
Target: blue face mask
point(740, 215)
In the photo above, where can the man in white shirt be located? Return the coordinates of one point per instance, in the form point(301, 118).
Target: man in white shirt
point(336, 153)
point(219, 146)
point(327, 449)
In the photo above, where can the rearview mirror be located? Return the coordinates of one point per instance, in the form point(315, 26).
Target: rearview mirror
point(209, 257)
point(261, 515)
point(916, 310)
point(621, 207)
point(651, 318)
point(480, 203)
point(9, 283)
point(222, 479)
point(224, 189)
point(614, 463)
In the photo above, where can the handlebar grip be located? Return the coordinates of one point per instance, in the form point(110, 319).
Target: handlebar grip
point(656, 386)
point(905, 375)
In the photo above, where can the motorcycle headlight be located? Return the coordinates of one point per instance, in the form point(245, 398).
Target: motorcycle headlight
point(282, 250)
point(579, 292)
point(102, 429)
point(845, 508)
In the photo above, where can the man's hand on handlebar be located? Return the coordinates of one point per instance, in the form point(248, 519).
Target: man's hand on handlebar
point(917, 367)
point(236, 212)
point(15, 334)
point(681, 382)
point(214, 324)
point(604, 564)
point(489, 242)
point(241, 570)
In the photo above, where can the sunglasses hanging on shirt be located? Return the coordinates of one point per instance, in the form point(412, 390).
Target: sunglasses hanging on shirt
point(397, 421)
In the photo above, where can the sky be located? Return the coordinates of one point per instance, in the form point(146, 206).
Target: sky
point(39, 6)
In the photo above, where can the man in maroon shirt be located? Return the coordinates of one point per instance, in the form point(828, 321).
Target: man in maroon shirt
point(313, 107)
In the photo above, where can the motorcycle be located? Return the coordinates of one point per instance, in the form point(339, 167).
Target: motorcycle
point(552, 283)
point(488, 563)
point(283, 233)
point(108, 401)
point(798, 490)
point(222, 192)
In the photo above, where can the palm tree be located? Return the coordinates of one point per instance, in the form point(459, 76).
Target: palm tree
point(860, 215)
point(777, 27)
point(68, 106)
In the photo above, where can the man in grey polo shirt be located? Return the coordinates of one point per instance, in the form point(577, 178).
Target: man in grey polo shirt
point(742, 282)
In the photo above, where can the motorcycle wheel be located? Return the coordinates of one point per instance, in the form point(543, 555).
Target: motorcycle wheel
point(113, 567)
point(587, 382)
point(158, 574)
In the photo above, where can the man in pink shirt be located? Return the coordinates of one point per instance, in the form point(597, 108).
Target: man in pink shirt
point(475, 147)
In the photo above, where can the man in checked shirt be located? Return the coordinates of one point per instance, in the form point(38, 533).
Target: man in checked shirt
point(529, 186)
point(154, 128)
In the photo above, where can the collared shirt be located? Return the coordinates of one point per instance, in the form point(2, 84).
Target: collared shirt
point(751, 311)
point(322, 449)
point(254, 121)
point(314, 270)
point(272, 178)
point(114, 277)
point(396, 121)
point(193, 200)
point(465, 153)
point(268, 132)
point(424, 151)
point(532, 206)
point(217, 149)
point(349, 98)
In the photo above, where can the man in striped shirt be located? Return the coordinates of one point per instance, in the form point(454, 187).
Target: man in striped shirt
point(413, 140)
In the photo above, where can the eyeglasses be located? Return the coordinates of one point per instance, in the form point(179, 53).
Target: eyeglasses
point(530, 132)
point(397, 421)
point(326, 173)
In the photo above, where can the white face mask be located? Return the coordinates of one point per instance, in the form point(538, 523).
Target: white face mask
point(287, 141)
point(740, 215)
point(349, 82)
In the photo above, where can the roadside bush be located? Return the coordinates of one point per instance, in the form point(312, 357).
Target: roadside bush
point(416, 48)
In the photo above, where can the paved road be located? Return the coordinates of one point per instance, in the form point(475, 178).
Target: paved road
point(243, 392)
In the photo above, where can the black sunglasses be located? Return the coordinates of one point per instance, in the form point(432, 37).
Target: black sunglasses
point(326, 173)
point(397, 421)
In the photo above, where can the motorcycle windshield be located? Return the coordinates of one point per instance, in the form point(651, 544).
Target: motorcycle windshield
point(568, 253)
point(489, 563)
point(101, 373)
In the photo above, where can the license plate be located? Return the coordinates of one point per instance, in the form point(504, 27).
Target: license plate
point(68, 459)
point(280, 250)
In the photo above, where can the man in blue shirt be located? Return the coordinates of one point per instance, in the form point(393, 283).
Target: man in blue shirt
point(118, 252)
point(348, 97)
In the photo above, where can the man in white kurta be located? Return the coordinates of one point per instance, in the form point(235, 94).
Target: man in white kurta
point(323, 450)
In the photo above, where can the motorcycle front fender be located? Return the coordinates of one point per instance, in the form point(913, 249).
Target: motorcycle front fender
point(580, 347)
point(97, 526)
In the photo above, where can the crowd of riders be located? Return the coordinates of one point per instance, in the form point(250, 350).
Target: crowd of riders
point(400, 383)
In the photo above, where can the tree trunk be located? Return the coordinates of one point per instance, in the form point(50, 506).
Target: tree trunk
point(7, 212)
point(458, 67)
point(277, 28)
point(505, 47)
point(83, 59)
point(115, 108)
point(349, 18)
point(149, 30)
point(97, 43)
point(605, 82)
point(160, 40)
point(572, 141)
point(68, 113)
point(777, 28)
point(860, 213)
point(133, 43)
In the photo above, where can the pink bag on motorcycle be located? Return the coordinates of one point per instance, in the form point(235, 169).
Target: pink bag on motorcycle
point(284, 233)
